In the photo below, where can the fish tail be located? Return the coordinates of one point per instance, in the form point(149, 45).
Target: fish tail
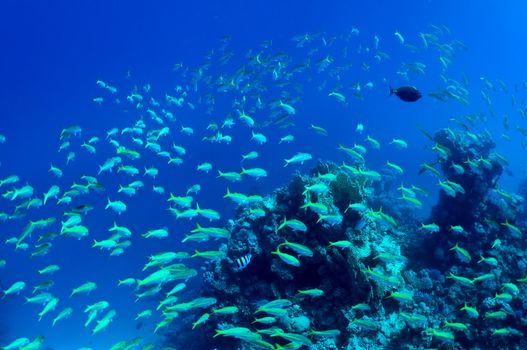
point(391, 90)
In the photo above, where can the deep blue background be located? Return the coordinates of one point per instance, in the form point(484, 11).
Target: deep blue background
point(52, 53)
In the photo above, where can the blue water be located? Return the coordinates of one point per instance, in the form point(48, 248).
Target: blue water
point(54, 52)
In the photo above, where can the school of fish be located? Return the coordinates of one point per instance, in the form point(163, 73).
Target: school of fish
point(259, 93)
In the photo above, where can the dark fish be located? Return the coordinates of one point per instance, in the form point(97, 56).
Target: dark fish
point(406, 93)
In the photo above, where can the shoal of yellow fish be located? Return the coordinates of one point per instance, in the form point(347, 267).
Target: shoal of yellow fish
point(141, 151)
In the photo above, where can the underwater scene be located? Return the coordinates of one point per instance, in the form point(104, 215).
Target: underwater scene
point(344, 175)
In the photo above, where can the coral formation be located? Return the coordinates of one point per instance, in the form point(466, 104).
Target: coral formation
point(339, 270)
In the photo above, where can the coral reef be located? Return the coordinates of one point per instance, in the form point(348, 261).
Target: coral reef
point(477, 259)
point(348, 277)
point(347, 271)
